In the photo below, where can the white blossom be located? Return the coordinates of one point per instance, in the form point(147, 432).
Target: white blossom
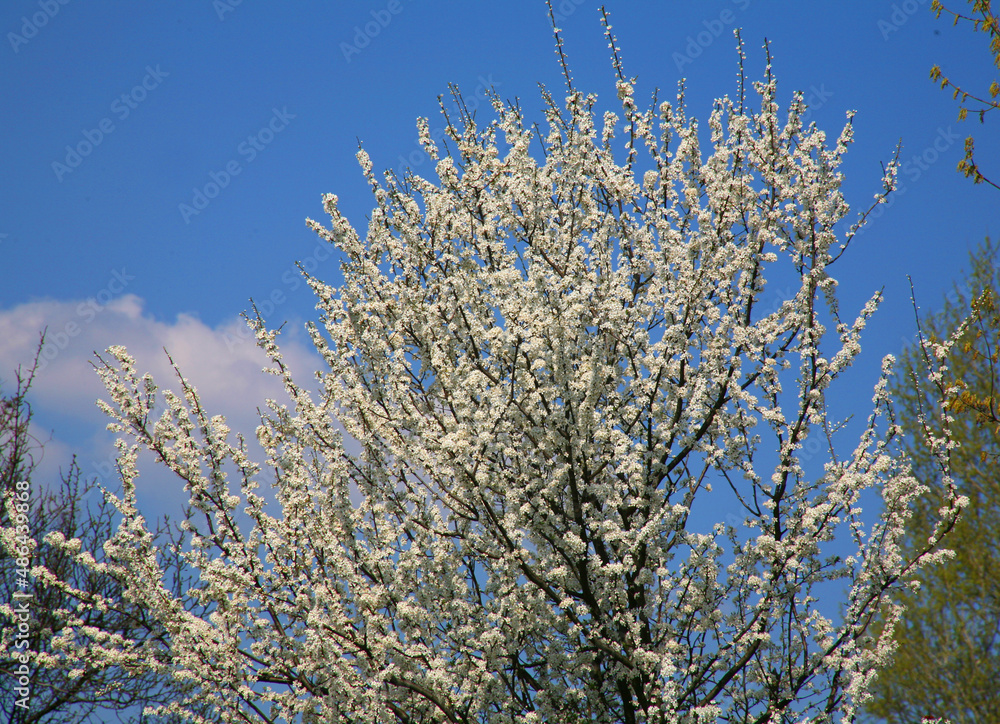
point(548, 360)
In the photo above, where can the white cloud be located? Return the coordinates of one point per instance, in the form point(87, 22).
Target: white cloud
point(222, 363)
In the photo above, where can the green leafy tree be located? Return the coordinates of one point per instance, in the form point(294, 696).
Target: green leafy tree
point(948, 660)
point(982, 18)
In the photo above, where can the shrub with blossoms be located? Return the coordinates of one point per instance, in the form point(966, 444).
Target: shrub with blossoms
point(546, 358)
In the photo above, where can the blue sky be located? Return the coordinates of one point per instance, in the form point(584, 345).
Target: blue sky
point(120, 120)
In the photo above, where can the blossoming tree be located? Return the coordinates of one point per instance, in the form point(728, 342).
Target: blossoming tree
point(558, 360)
